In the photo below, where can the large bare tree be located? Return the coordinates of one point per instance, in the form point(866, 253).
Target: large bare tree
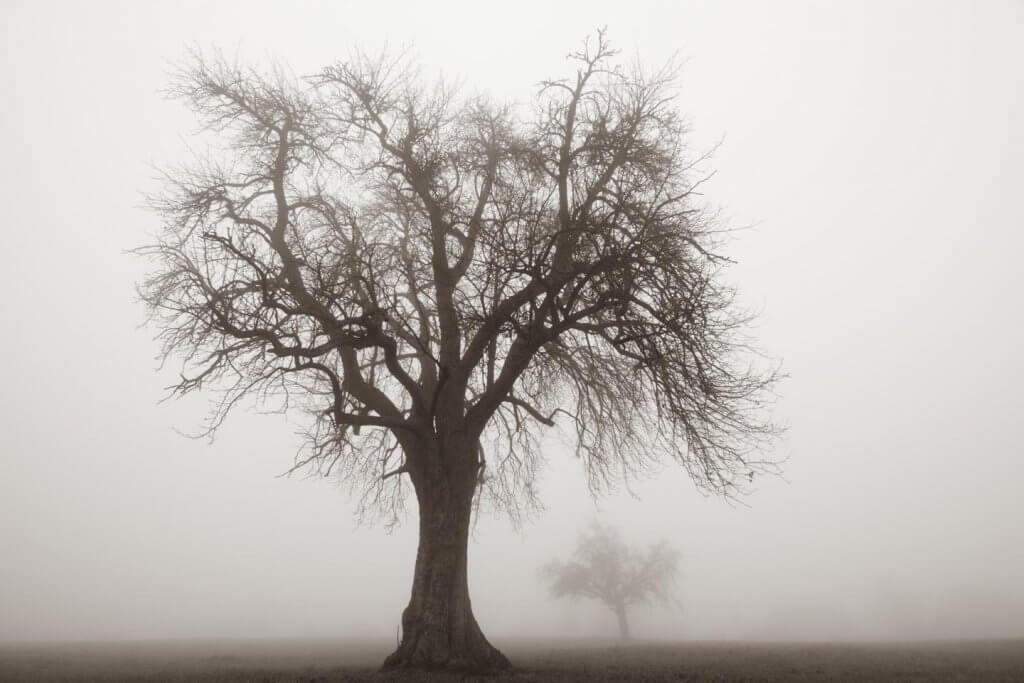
point(433, 278)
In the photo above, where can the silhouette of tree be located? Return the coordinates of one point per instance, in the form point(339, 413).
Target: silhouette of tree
point(432, 278)
point(604, 568)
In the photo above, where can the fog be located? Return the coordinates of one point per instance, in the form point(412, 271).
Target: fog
point(875, 157)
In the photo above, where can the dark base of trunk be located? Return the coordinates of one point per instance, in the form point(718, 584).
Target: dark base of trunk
point(484, 662)
point(439, 631)
point(435, 651)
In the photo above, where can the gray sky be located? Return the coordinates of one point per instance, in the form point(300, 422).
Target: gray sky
point(876, 151)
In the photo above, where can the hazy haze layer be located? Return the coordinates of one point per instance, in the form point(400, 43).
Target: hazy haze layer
point(877, 154)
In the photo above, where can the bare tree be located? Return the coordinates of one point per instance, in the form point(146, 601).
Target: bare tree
point(432, 278)
point(604, 568)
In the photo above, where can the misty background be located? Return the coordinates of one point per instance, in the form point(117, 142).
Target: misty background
point(874, 153)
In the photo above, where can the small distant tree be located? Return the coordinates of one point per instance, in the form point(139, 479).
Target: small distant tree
point(604, 568)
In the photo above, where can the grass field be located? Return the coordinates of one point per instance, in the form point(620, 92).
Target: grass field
point(350, 660)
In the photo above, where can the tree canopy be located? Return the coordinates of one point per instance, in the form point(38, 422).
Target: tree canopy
point(372, 250)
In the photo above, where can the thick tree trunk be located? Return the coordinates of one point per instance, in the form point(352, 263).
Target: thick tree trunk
point(438, 627)
point(620, 612)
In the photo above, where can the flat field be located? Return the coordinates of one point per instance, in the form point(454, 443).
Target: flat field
point(563, 660)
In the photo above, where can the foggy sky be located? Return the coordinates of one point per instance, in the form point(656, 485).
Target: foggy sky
point(876, 155)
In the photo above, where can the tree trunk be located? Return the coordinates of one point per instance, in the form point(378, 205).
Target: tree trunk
point(438, 627)
point(620, 612)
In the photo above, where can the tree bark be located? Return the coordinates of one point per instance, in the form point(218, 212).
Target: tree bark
point(620, 612)
point(439, 630)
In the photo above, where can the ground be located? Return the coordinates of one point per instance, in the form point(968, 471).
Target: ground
point(566, 660)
